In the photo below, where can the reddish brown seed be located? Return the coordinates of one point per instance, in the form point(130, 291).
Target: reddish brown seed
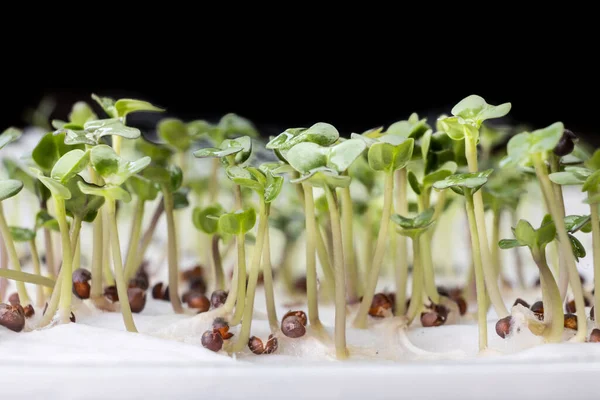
point(28, 311)
point(198, 301)
point(72, 318)
point(443, 291)
point(292, 327)
point(256, 345)
point(198, 284)
point(300, 284)
point(570, 307)
point(272, 345)
point(462, 305)
point(380, 306)
point(81, 283)
point(12, 317)
point(218, 298)
point(521, 302)
point(571, 321)
point(392, 297)
point(110, 292)
point(212, 340)
point(221, 326)
point(138, 282)
point(592, 316)
point(430, 318)
point(300, 314)
point(166, 294)
point(157, 291)
point(595, 336)
point(538, 309)
point(504, 326)
point(13, 299)
point(137, 299)
point(195, 272)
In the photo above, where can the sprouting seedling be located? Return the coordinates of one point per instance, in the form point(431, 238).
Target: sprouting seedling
point(144, 190)
point(384, 156)
point(207, 220)
point(324, 134)
point(533, 149)
point(502, 194)
point(117, 110)
point(230, 152)
point(8, 189)
point(323, 167)
point(114, 171)
point(80, 113)
point(414, 228)
point(64, 170)
point(464, 125)
point(466, 185)
point(267, 186)
point(423, 189)
point(588, 176)
point(238, 224)
point(169, 178)
point(536, 240)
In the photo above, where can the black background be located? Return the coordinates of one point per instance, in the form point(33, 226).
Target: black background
point(351, 99)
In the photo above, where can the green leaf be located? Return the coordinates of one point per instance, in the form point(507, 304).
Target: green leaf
point(324, 177)
point(9, 188)
point(321, 133)
point(180, 199)
point(56, 188)
point(414, 227)
point(9, 135)
point(70, 165)
point(574, 223)
point(425, 142)
point(525, 233)
point(126, 106)
point(232, 125)
point(159, 154)
point(341, 156)
point(509, 243)
point(110, 192)
point(518, 148)
point(243, 142)
point(241, 176)
point(80, 204)
point(453, 128)
point(566, 178)
point(81, 113)
point(361, 171)
point(307, 156)
point(93, 131)
point(107, 104)
point(201, 220)
point(199, 128)
point(445, 171)
point(174, 132)
point(411, 128)
point(592, 182)
point(473, 181)
point(546, 139)
point(594, 162)
point(211, 152)
point(578, 249)
point(143, 188)
point(45, 220)
point(546, 233)
point(475, 108)
point(112, 168)
point(30, 182)
point(387, 157)
point(21, 234)
point(237, 222)
point(49, 149)
point(273, 187)
point(414, 183)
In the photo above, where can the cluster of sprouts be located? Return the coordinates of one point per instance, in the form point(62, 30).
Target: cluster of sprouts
point(359, 202)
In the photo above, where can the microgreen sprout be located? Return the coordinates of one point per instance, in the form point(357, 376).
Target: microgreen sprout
point(467, 185)
point(532, 150)
point(536, 240)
